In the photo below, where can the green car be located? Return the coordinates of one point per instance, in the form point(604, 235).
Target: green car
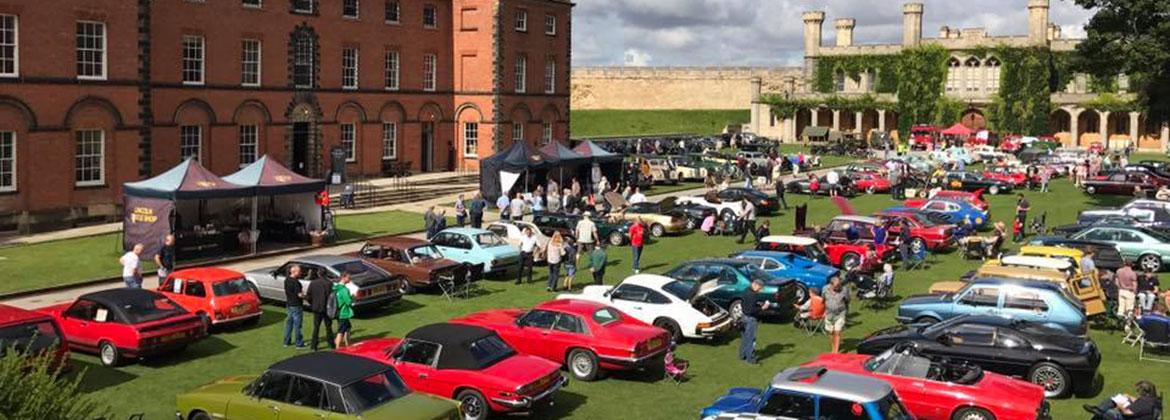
point(733, 278)
point(319, 385)
point(1150, 249)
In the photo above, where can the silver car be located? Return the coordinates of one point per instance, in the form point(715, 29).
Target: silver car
point(376, 287)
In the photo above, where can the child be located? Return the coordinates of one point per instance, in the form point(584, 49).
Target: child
point(708, 226)
point(1017, 230)
point(570, 263)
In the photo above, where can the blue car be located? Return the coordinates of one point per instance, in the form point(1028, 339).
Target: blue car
point(477, 247)
point(1041, 302)
point(787, 265)
point(812, 392)
point(954, 211)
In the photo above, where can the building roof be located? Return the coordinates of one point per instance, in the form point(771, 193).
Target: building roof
point(817, 380)
point(331, 367)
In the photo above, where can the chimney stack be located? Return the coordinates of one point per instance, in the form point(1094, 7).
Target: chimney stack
point(911, 24)
point(813, 23)
point(845, 32)
point(1038, 22)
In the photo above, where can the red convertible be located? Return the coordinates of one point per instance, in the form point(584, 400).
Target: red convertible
point(975, 198)
point(941, 390)
point(471, 364)
point(1016, 178)
point(923, 232)
point(584, 336)
point(32, 333)
point(870, 182)
point(124, 324)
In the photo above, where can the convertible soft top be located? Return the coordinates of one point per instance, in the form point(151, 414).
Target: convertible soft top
point(456, 341)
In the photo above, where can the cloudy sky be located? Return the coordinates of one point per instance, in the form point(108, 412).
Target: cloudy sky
point(769, 32)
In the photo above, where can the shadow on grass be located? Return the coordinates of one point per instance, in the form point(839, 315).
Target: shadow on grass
point(773, 349)
point(208, 347)
point(1094, 389)
point(399, 307)
point(268, 317)
point(564, 404)
point(96, 377)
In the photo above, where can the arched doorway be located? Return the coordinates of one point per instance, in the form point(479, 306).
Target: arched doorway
point(1059, 123)
point(973, 119)
point(1089, 127)
point(803, 119)
point(303, 137)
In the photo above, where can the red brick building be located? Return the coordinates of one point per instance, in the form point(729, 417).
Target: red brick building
point(97, 93)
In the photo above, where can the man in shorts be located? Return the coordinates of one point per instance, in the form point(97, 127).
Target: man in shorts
point(836, 297)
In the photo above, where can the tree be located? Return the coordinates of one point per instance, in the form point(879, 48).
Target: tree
point(32, 387)
point(1130, 37)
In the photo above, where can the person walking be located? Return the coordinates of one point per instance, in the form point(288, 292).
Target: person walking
point(570, 261)
point(320, 291)
point(836, 297)
point(528, 247)
point(814, 184)
point(750, 301)
point(344, 291)
point(1126, 280)
point(1022, 207)
point(554, 255)
point(637, 240)
point(476, 210)
point(586, 232)
point(132, 266)
point(294, 295)
point(502, 204)
point(460, 211)
point(747, 219)
point(165, 258)
point(597, 261)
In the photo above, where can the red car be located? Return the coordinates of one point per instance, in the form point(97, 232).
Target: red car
point(219, 296)
point(923, 232)
point(32, 332)
point(870, 182)
point(975, 198)
point(941, 390)
point(471, 364)
point(1010, 144)
point(1016, 178)
point(584, 336)
point(1096, 148)
point(124, 324)
point(861, 252)
point(923, 136)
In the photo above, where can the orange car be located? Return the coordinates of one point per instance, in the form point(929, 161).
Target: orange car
point(219, 296)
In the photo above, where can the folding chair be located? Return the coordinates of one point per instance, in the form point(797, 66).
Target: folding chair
point(811, 326)
point(1156, 336)
point(675, 367)
point(917, 259)
point(1133, 332)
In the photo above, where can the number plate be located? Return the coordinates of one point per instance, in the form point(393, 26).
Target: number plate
point(380, 290)
point(239, 309)
point(173, 336)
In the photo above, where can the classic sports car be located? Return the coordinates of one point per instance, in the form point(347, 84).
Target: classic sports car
point(1106, 255)
point(1119, 183)
point(615, 232)
point(800, 185)
point(1150, 249)
point(812, 393)
point(471, 364)
point(1051, 358)
point(513, 232)
point(661, 218)
point(954, 211)
point(1155, 217)
point(1039, 301)
point(689, 169)
point(477, 247)
point(787, 265)
point(693, 213)
point(726, 210)
point(126, 324)
point(973, 198)
point(842, 256)
point(923, 231)
point(763, 203)
point(732, 278)
point(585, 337)
point(659, 171)
point(419, 262)
point(677, 306)
point(376, 287)
point(219, 296)
point(935, 388)
point(325, 385)
point(32, 333)
point(870, 182)
point(1017, 178)
point(861, 252)
point(971, 181)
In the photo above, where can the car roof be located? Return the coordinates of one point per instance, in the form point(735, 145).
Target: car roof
point(12, 315)
point(398, 241)
point(457, 340)
point(115, 298)
point(651, 280)
point(817, 380)
point(466, 230)
point(340, 369)
point(1039, 262)
point(764, 254)
point(859, 219)
point(1021, 273)
point(1052, 250)
point(323, 259)
point(1010, 282)
point(209, 274)
point(790, 239)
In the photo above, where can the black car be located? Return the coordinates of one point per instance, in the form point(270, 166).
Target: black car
point(695, 213)
point(971, 181)
point(616, 233)
point(1058, 361)
point(764, 204)
point(801, 186)
point(1105, 256)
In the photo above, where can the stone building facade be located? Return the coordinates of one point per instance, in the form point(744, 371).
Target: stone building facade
point(97, 93)
point(672, 87)
point(971, 79)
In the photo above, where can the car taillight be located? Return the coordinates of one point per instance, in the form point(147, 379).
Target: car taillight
point(362, 293)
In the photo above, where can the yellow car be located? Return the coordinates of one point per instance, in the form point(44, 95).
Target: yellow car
point(658, 222)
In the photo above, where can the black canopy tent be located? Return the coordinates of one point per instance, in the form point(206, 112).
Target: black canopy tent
point(286, 190)
point(562, 160)
point(609, 163)
point(500, 172)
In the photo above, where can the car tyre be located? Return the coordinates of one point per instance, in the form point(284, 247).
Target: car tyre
point(735, 308)
point(801, 295)
point(473, 404)
point(616, 239)
point(657, 230)
point(870, 189)
point(671, 328)
point(972, 413)
point(994, 190)
point(691, 224)
point(1090, 189)
point(583, 365)
point(727, 216)
point(1150, 262)
point(1052, 377)
point(109, 354)
point(205, 319)
point(199, 415)
point(850, 260)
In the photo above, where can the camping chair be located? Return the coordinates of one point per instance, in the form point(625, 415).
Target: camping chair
point(1156, 336)
point(1133, 331)
point(675, 367)
point(974, 248)
point(1039, 225)
point(812, 325)
point(917, 259)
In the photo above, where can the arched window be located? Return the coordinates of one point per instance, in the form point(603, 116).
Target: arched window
point(954, 66)
point(973, 74)
point(304, 56)
point(991, 69)
point(839, 81)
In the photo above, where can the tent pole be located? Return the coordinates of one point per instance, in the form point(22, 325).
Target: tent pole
point(254, 212)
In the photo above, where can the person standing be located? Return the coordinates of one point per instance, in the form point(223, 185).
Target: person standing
point(502, 205)
point(294, 307)
point(516, 207)
point(1045, 177)
point(570, 261)
point(780, 193)
point(460, 211)
point(132, 267)
point(554, 255)
point(554, 203)
point(1022, 207)
point(527, 251)
point(597, 261)
point(637, 197)
point(747, 219)
point(895, 175)
point(836, 297)
point(814, 184)
point(165, 259)
point(833, 178)
point(320, 291)
point(751, 310)
point(429, 222)
point(344, 291)
point(904, 240)
point(1126, 280)
point(586, 232)
point(1088, 269)
point(476, 209)
point(637, 239)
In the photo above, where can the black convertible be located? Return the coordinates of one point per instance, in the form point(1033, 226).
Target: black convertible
point(971, 181)
point(1054, 359)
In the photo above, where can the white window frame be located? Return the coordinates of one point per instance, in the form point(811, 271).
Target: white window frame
point(397, 12)
point(357, 9)
point(183, 136)
point(550, 24)
point(521, 23)
point(435, 16)
point(104, 50)
point(521, 73)
point(202, 56)
point(312, 63)
point(249, 140)
point(546, 132)
point(11, 139)
point(550, 75)
point(101, 158)
point(15, 46)
point(350, 145)
point(389, 140)
point(470, 139)
point(252, 4)
point(258, 63)
point(312, 7)
point(392, 65)
point(430, 72)
point(517, 132)
point(349, 68)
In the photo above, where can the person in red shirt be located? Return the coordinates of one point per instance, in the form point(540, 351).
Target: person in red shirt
point(637, 239)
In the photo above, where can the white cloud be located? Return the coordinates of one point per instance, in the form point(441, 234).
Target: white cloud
point(637, 58)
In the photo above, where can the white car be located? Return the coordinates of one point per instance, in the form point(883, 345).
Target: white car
point(725, 210)
point(512, 232)
point(676, 306)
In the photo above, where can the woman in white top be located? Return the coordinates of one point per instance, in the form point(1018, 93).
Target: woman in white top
point(554, 255)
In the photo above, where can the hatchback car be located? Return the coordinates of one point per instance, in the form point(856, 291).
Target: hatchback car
point(477, 247)
point(33, 333)
point(376, 287)
point(1041, 302)
point(732, 278)
point(813, 392)
point(219, 296)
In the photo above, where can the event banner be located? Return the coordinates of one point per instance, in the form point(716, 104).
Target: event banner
point(148, 221)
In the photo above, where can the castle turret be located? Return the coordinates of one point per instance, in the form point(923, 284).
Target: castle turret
point(1038, 21)
point(845, 32)
point(911, 24)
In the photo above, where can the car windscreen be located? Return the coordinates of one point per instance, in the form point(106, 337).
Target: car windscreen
point(606, 316)
point(755, 273)
point(890, 408)
point(895, 363)
point(489, 350)
point(374, 390)
point(487, 240)
point(352, 267)
point(146, 308)
point(425, 253)
point(231, 287)
point(32, 337)
point(817, 253)
point(680, 289)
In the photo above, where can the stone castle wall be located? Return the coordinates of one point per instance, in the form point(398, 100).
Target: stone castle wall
point(672, 87)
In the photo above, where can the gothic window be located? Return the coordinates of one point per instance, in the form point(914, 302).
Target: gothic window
point(991, 69)
point(973, 74)
point(953, 68)
point(304, 56)
point(839, 81)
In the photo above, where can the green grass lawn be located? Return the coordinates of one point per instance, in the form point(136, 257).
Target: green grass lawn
point(69, 261)
point(150, 386)
point(616, 122)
